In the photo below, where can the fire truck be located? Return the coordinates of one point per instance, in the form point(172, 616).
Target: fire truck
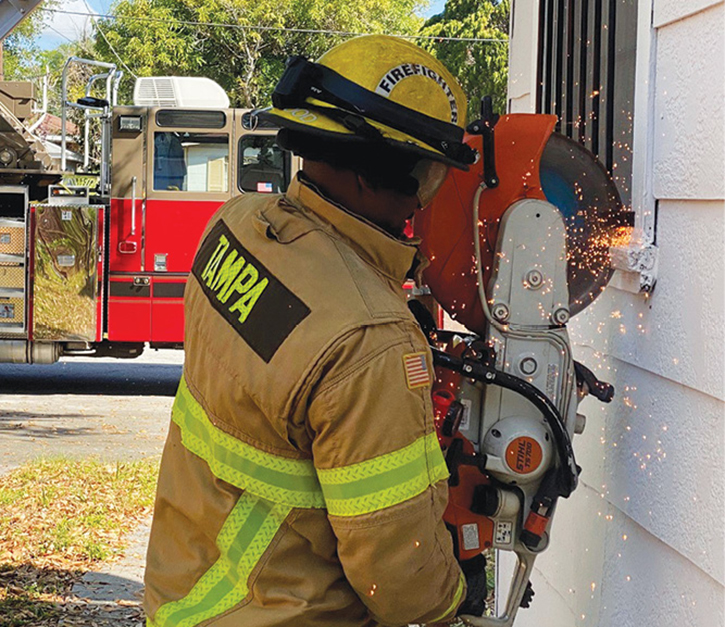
point(100, 270)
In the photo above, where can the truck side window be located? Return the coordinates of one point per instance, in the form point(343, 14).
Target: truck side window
point(263, 165)
point(191, 162)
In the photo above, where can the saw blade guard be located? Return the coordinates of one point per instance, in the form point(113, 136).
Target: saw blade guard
point(532, 162)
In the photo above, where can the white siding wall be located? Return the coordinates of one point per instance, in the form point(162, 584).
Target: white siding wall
point(640, 543)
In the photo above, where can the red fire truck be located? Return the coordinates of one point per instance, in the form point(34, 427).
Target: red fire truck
point(101, 271)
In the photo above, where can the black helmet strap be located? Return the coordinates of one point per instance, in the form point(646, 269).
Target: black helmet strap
point(303, 79)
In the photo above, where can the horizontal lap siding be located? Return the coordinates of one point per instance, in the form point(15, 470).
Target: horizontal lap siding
point(641, 542)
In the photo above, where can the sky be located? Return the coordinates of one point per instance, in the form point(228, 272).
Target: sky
point(62, 28)
point(70, 27)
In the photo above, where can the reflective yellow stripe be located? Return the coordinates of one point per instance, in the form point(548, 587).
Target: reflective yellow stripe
point(291, 482)
point(385, 480)
point(243, 539)
point(456, 601)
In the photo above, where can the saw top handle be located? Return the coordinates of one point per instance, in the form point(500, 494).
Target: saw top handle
point(482, 369)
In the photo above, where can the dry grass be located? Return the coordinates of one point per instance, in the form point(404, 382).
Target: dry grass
point(58, 519)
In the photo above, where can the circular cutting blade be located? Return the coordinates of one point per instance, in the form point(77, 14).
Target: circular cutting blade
point(575, 182)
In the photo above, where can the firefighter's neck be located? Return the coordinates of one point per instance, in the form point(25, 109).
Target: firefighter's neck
point(387, 209)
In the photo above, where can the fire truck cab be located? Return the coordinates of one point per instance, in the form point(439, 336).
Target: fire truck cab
point(102, 271)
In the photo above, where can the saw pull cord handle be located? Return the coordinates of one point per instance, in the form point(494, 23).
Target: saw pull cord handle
point(542, 507)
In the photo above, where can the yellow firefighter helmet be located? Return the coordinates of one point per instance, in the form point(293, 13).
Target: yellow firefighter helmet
point(376, 88)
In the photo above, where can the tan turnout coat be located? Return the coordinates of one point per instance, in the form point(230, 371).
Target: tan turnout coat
point(301, 483)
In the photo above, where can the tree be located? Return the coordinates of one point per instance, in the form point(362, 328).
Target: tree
point(481, 67)
point(25, 60)
point(20, 48)
point(247, 57)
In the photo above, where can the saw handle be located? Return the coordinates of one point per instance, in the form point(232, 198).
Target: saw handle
point(484, 127)
point(482, 369)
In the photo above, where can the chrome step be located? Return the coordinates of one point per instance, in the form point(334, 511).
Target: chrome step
point(15, 259)
point(12, 292)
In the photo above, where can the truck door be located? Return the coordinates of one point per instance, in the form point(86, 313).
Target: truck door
point(188, 178)
point(128, 304)
point(188, 165)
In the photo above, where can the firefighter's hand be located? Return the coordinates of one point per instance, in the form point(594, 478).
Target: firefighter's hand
point(477, 589)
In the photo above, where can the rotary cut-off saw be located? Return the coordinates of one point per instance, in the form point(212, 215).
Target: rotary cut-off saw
point(517, 246)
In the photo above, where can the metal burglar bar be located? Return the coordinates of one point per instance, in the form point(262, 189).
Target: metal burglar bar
point(586, 77)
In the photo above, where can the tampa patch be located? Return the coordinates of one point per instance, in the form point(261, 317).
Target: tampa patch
point(249, 297)
point(416, 370)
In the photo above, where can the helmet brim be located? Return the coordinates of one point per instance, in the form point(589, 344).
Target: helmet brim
point(313, 121)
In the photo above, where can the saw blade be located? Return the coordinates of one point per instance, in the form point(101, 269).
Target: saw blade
point(575, 182)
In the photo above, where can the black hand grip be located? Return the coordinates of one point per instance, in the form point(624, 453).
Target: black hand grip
point(423, 317)
point(484, 127)
point(600, 390)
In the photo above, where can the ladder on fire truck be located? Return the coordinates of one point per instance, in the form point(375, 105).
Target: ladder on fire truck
point(12, 12)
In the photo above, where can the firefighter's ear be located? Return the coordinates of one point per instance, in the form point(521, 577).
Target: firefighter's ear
point(367, 191)
point(364, 185)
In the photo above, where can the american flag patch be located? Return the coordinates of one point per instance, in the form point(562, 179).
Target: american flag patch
point(265, 188)
point(416, 370)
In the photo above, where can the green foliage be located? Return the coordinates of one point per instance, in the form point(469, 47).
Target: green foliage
point(23, 59)
point(21, 55)
point(481, 67)
point(245, 60)
point(149, 37)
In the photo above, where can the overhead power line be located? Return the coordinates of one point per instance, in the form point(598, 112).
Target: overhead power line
point(108, 43)
point(313, 31)
point(57, 32)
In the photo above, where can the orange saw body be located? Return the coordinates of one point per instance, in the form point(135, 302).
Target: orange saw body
point(520, 142)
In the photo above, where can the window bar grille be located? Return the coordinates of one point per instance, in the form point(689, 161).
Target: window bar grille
point(569, 92)
point(559, 84)
point(586, 69)
point(611, 58)
point(583, 49)
point(596, 74)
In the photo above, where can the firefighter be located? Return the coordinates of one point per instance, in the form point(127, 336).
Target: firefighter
point(302, 483)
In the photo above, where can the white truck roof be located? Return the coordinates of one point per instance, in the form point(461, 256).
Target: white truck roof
point(179, 91)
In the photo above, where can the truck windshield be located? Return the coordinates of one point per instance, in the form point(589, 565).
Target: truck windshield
point(191, 162)
point(263, 165)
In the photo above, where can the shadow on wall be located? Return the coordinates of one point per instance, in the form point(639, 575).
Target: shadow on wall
point(122, 379)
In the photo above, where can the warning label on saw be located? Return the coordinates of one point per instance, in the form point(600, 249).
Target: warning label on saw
point(470, 537)
point(503, 532)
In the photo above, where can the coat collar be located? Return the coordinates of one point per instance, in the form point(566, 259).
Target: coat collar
point(393, 257)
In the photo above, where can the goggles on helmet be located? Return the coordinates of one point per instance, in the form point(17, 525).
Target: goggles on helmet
point(303, 79)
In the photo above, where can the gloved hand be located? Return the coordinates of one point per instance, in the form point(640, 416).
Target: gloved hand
point(477, 590)
point(475, 572)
